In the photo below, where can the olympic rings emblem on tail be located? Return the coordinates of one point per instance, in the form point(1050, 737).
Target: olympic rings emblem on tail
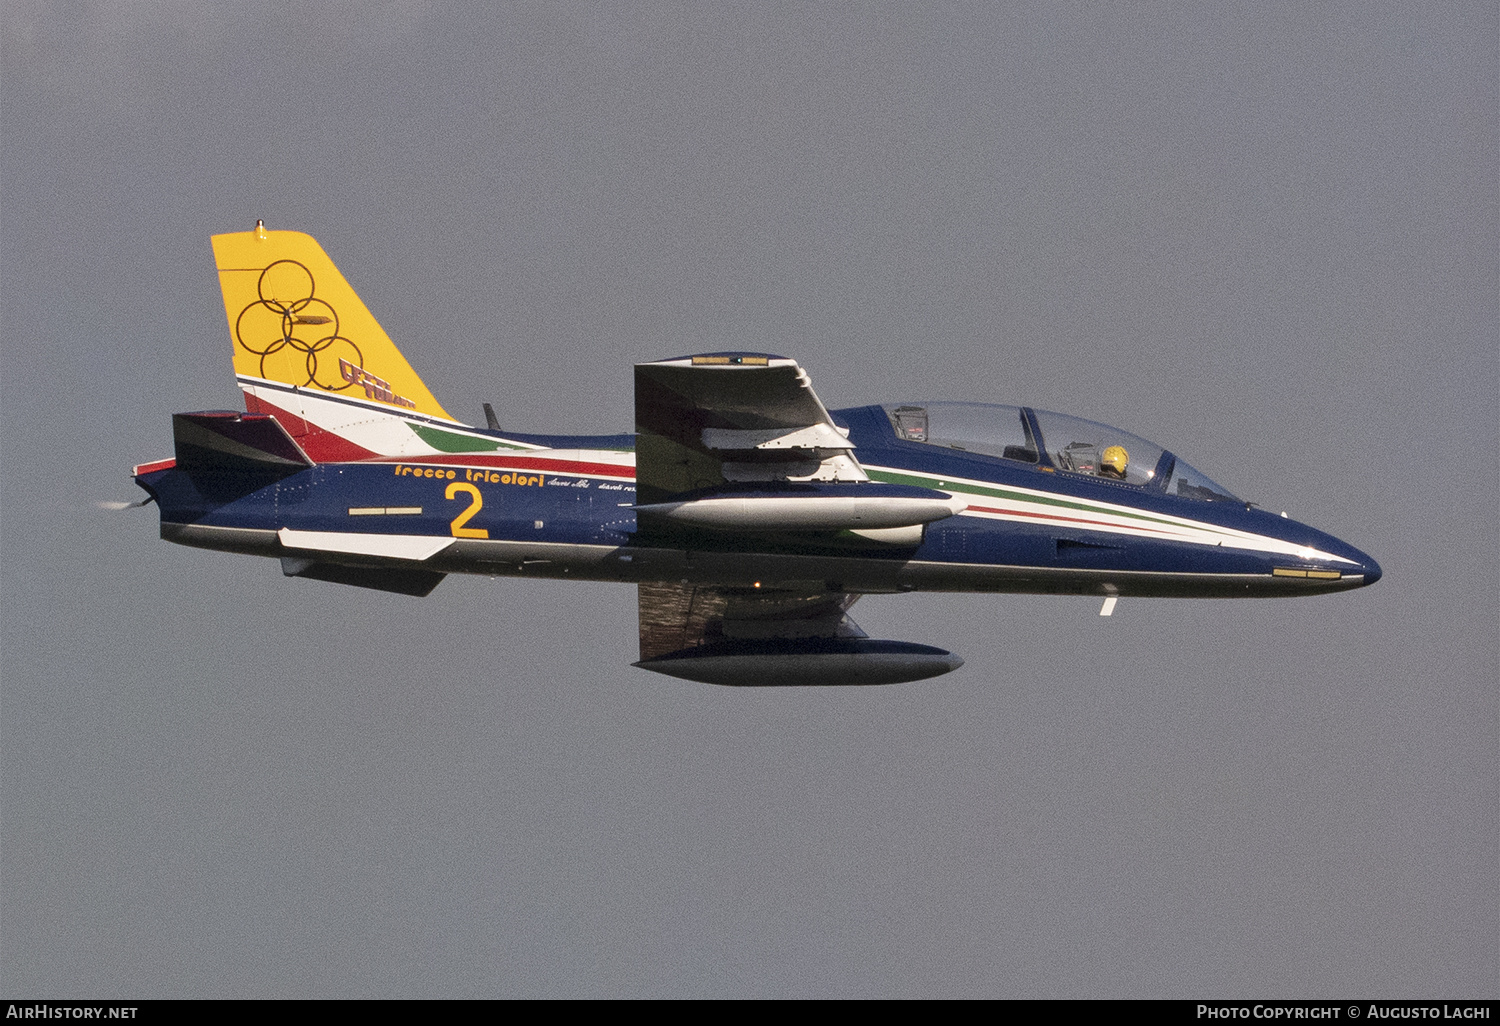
point(286, 303)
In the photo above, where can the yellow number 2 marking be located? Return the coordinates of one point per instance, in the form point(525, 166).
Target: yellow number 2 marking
point(459, 530)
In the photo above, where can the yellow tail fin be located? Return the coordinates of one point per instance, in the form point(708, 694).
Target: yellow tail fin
point(295, 320)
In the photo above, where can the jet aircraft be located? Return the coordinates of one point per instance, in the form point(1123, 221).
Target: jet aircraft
point(749, 516)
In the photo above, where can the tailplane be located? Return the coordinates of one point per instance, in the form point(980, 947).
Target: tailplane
point(228, 455)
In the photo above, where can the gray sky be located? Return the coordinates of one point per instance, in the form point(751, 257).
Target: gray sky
point(1264, 236)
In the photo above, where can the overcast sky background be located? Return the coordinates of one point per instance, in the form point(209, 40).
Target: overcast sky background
point(1262, 235)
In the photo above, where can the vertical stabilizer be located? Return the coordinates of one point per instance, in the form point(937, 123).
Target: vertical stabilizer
point(294, 320)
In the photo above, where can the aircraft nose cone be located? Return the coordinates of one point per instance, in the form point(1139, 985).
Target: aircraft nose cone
point(1367, 565)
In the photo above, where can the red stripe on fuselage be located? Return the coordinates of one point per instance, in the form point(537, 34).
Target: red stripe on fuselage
point(321, 446)
point(326, 447)
point(151, 468)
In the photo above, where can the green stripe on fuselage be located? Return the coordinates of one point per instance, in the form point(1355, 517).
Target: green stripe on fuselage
point(929, 481)
point(448, 441)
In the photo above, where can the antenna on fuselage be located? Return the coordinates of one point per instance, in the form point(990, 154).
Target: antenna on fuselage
point(1111, 596)
point(490, 418)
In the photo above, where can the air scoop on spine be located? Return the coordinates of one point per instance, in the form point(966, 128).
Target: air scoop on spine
point(805, 506)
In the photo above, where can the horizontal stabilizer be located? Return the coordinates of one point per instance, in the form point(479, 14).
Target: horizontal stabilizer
point(417, 583)
point(415, 547)
point(226, 440)
point(229, 454)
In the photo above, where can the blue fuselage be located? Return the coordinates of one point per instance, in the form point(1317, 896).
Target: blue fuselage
point(1030, 526)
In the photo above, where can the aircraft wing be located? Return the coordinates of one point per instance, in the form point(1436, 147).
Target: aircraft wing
point(677, 616)
point(740, 442)
point(710, 420)
point(753, 637)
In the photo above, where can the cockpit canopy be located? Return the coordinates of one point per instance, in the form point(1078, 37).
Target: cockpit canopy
point(1053, 439)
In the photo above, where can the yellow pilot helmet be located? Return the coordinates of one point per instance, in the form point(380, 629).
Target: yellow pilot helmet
point(1114, 461)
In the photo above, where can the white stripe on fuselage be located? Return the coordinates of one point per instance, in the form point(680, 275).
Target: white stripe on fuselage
point(1037, 506)
point(370, 425)
point(387, 432)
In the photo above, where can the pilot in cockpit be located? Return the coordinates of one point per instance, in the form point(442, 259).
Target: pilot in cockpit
point(1113, 463)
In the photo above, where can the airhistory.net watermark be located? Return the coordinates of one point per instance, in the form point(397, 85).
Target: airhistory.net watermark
point(70, 1011)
